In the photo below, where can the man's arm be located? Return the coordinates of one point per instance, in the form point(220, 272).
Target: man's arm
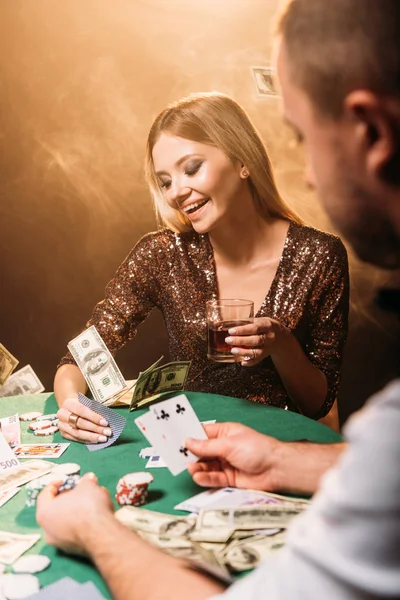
point(82, 522)
point(237, 456)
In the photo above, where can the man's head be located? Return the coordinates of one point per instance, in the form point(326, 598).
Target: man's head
point(339, 70)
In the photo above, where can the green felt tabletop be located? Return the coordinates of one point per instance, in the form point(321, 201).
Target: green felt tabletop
point(112, 463)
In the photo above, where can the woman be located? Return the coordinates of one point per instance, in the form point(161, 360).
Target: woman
point(227, 234)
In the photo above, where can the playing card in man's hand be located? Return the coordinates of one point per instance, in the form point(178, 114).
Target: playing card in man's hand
point(166, 426)
point(115, 421)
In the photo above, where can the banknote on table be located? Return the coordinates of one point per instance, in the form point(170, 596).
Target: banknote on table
point(10, 427)
point(153, 382)
point(124, 397)
point(29, 470)
point(6, 496)
point(220, 542)
point(249, 517)
point(245, 554)
point(13, 545)
point(97, 365)
point(8, 362)
point(23, 382)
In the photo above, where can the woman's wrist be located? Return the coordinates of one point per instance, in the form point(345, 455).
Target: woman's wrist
point(284, 340)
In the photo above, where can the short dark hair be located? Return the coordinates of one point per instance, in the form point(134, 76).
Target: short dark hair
point(337, 46)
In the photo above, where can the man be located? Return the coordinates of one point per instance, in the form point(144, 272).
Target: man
point(339, 71)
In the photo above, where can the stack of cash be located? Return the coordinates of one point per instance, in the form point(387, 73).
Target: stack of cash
point(106, 381)
point(223, 540)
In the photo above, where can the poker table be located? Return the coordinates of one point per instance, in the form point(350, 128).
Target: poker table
point(113, 462)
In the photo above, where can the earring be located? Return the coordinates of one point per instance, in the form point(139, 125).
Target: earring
point(244, 173)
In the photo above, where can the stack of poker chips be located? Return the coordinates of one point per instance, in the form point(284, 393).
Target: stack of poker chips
point(41, 424)
point(67, 473)
point(33, 489)
point(132, 489)
point(68, 484)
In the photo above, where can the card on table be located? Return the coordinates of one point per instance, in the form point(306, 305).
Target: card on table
point(115, 421)
point(67, 588)
point(166, 426)
point(40, 450)
point(155, 462)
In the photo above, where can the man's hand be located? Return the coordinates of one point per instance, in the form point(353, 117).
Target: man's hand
point(67, 517)
point(235, 456)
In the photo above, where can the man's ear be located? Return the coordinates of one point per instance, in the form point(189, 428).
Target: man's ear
point(377, 129)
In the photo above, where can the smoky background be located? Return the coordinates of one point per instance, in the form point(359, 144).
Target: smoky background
point(80, 83)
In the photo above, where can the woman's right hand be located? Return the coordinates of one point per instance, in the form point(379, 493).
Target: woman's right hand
point(80, 424)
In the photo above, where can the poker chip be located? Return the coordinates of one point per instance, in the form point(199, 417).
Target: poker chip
point(52, 417)
point(31, 563)
point(33, 489)
point(66, 469)
point(30, 416)
point(15, 587)
point(48, 431)
point(68, 484)
point(132, 489)
point(41, 425)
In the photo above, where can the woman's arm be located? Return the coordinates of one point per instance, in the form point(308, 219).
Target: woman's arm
point(68, 382)
point(311, 373)
point(129, 298)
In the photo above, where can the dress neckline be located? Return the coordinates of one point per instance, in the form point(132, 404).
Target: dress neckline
point(214, 282)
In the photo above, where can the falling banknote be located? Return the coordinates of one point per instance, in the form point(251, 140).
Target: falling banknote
point(22, 383)
point(97, 365)
point(8, 362)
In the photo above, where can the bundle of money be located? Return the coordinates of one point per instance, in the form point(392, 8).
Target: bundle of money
point(106, 382)
point(8, 362)
point(158, 380)
point(220, 540)
point(22, 383)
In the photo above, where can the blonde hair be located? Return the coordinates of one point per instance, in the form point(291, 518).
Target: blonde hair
point(217, 120)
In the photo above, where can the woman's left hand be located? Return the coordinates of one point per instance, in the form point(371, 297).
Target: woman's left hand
point(253, 342)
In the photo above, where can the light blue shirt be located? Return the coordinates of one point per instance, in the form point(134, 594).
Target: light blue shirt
point(346, 546)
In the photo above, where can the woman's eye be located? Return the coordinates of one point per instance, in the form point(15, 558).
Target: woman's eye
point(192, 169)
point(165, 184)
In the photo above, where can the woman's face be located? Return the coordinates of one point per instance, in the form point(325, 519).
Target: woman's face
point(197, 179)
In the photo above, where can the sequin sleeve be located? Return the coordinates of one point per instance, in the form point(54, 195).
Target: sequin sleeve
point(129, 297)
point(328, 316)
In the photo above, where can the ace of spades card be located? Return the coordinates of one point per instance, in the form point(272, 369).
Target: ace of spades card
point(167, 425)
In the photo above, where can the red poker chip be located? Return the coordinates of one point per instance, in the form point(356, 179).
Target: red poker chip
point(132, 489)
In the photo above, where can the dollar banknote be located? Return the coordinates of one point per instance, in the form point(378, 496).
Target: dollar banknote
point(157, 380)
point(249, 517)
point(241, 548)
point(8, 362)
point(245, 554)
point(22, 383)
point(13, 545)
point(97, 365)
point(264, 81)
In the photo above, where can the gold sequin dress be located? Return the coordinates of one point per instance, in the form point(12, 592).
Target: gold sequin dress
point(176, 274)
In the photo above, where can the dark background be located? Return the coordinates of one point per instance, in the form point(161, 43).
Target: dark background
point(81, 82)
